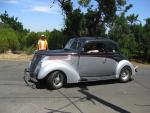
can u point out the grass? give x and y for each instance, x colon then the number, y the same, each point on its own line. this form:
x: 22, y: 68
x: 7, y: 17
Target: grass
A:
x: 15, y: 57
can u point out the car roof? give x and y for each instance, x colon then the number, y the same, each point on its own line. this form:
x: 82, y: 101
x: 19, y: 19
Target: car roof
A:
x: 95, y: 39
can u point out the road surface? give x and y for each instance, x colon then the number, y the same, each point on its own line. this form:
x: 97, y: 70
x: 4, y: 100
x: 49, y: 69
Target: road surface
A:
x: 93, y: 97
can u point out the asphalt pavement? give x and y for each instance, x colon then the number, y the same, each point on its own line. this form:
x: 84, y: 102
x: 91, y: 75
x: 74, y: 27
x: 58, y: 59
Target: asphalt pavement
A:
x: 93, y: 97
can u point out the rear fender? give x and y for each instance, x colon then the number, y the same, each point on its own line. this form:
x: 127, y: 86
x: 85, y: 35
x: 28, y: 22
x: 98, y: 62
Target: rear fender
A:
x: 122, y: 64
x: 49, y: 66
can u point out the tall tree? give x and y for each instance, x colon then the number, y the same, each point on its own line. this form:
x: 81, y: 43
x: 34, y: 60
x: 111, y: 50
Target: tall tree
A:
x: 146, y: 40
x: 12, y: 22
x: 103, y: 12
x: 122, y: 33
x: 73, y: 23
x: 132, y: 19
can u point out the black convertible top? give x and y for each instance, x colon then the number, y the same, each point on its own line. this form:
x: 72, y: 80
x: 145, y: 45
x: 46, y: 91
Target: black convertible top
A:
x: 94, y: 39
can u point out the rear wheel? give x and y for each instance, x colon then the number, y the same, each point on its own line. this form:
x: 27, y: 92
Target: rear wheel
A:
x: 125, y: 74
x: 55, y: 80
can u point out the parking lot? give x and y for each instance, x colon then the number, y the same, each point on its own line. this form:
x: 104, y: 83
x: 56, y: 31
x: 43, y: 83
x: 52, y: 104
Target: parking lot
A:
x: 93, y: 97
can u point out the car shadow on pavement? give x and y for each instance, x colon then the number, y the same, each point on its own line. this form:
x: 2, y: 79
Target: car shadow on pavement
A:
x: 42, y: 84
x: 92, y: 83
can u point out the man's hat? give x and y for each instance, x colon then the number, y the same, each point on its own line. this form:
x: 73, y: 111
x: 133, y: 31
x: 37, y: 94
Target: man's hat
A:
x: 42, y: 35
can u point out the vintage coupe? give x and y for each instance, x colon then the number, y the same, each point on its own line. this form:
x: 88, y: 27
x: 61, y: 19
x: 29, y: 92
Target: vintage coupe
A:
x: 83, y: 59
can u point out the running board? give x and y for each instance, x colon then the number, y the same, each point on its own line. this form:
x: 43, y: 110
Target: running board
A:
x: 85, y: 79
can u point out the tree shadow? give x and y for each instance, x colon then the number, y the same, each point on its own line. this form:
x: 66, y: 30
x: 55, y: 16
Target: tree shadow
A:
x: 56, y: 111
x: 88, y: 96
x: 91, y: 97
x: 71, y: 103
x: 59, y: 110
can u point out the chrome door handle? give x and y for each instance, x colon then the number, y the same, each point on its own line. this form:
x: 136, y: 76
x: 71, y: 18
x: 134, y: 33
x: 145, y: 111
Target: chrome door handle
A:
x: 104, y: 61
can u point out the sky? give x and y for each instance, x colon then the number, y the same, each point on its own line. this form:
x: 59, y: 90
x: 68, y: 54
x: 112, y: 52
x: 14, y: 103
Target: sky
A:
x: 37, y: 15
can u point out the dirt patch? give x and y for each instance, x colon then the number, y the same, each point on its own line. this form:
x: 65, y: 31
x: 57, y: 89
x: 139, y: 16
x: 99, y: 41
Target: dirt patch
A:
x: 140, y: 65
x: 15, y: 57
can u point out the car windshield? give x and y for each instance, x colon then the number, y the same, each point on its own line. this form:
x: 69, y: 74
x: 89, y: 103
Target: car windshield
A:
x: 73, y: 45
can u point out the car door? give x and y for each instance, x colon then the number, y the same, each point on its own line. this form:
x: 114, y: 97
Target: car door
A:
x: 93, y: 64
x: 112, y: 58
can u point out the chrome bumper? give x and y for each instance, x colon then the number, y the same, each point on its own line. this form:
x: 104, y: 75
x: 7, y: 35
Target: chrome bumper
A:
x: 28, y: 77
x: 136, y: 68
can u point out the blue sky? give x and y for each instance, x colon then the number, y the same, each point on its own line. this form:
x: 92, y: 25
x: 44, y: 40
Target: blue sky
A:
x: 37, y: 15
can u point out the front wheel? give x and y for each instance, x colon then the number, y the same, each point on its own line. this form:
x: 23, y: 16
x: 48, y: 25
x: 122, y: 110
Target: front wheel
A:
x: 55, y: 80
x: 125, y: 74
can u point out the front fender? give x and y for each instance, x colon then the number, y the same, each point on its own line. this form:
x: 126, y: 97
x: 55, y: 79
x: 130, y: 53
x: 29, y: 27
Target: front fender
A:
x: 48, y: 66
x: 123, y: 63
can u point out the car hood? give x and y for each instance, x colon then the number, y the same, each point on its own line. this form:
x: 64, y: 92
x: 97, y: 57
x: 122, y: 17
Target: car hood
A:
x: 56, y: 52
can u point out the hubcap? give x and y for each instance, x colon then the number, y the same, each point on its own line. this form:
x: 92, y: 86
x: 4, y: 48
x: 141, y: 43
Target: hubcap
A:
x: 125, y: 74
x: 57, y: 80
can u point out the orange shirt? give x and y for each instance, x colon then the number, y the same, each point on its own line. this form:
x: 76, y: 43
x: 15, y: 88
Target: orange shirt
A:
x: 42, y: 45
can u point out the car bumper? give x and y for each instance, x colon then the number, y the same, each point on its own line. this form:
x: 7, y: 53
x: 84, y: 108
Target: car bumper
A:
x: 136, y: 68
x: 30, y: 78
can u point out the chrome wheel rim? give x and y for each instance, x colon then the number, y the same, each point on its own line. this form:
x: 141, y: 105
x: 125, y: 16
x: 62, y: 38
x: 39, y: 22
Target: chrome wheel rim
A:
x: 125, y: 74
x: 57, y: 81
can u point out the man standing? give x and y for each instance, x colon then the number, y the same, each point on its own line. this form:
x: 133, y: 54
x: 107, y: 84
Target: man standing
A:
x: 42, y: 43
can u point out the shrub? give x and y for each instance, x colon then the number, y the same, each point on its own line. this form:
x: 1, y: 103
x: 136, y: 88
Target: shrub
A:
x: 56, y: 40
x: 8, y: 38
x: 31, y: 39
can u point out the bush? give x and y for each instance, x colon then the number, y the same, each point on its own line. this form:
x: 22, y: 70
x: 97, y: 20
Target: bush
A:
x: 56, y: 40
x: 31, y: 39
x: 128, y: 45
x: 4, y: 44
x: 29, y: 50
x: 8, y: 38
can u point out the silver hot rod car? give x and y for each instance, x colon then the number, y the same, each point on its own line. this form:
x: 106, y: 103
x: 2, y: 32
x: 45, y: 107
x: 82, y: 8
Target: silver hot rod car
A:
x: 82, y: 59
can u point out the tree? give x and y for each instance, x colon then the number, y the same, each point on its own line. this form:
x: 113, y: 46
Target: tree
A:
x: 56, y: 40
x: 8, y: 38
x: 12, y: 22
x: 15, y: 25
x: 137, y: 30
x: 122, y: 34
x: 92, y: 28
x: 146, y: 40
x: 84, y: 2
x: 132, y: 19
x: 73, y: 23
x: 65, y: 5
x: 106, y: 9
x: 94, y: 22
x: 31, y: 39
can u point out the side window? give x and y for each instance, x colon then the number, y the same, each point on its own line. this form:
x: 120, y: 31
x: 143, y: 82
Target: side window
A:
x: 101, y: 47
x: 112, y: 48
x: 95, y: 48
x: 76, y: 45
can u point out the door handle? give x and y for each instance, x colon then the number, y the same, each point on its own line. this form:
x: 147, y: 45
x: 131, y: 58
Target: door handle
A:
x: 104, y: 61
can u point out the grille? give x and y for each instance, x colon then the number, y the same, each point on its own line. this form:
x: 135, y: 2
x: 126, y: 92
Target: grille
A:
x: 34, y: 63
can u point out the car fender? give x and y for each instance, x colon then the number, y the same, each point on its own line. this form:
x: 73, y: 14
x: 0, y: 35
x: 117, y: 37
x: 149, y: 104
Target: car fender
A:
x: 49, y: 66
x: 123, y: 63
